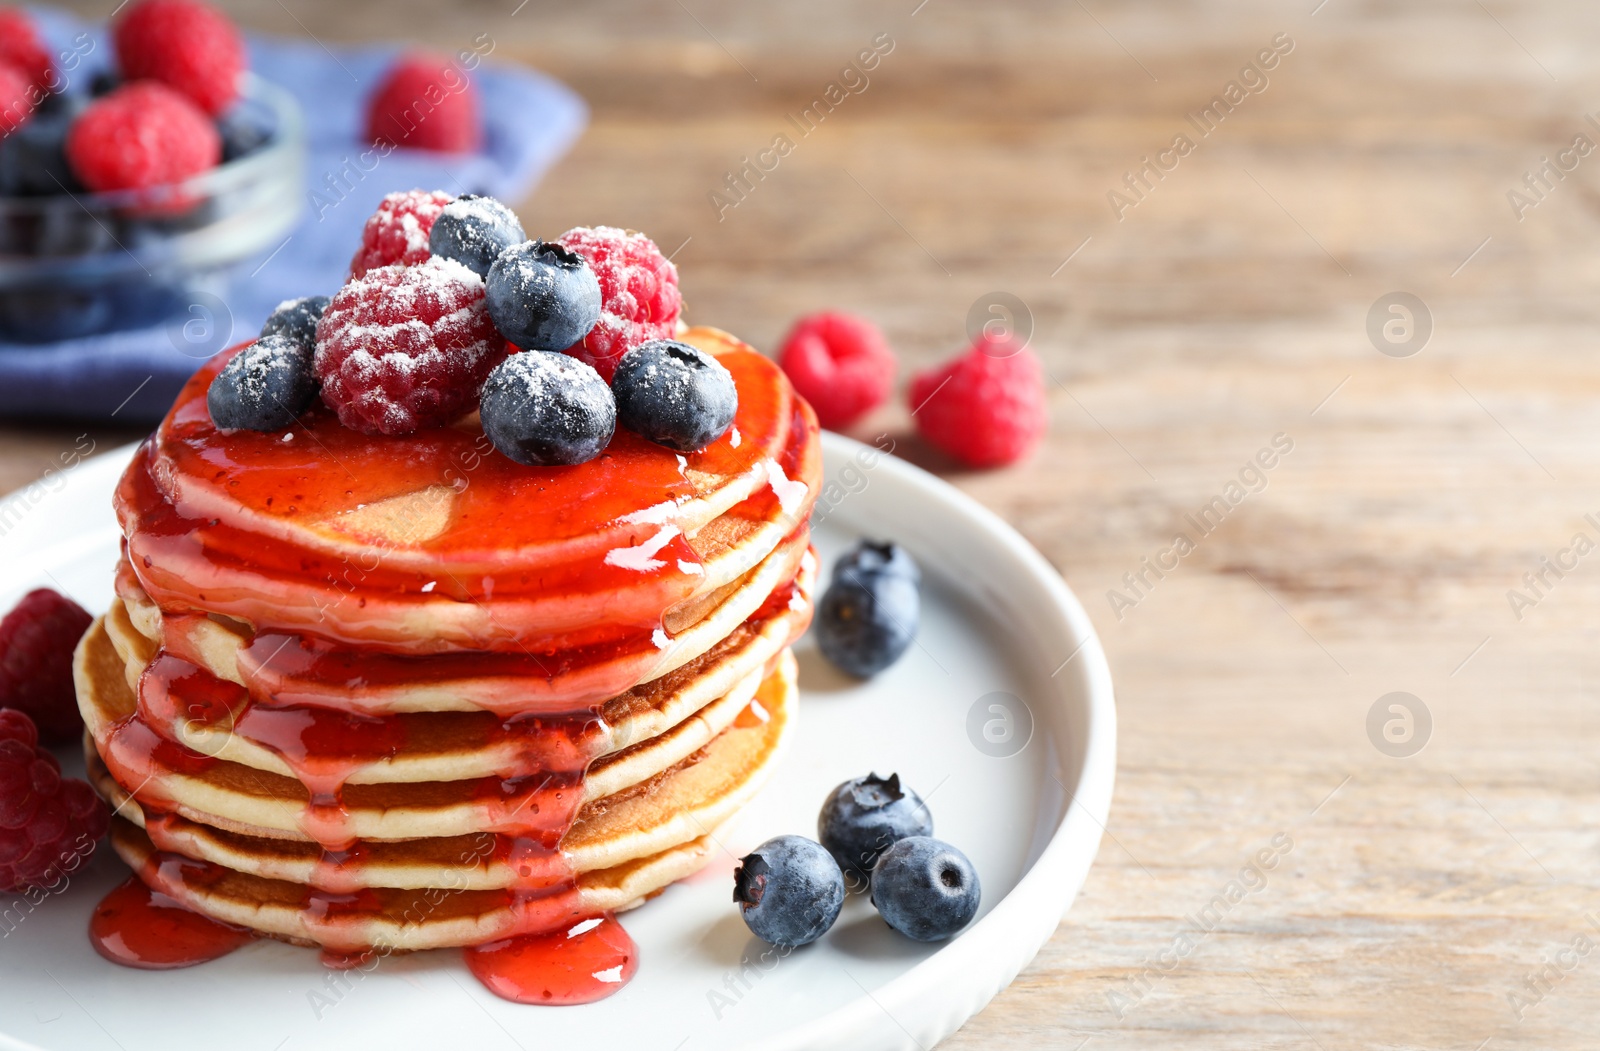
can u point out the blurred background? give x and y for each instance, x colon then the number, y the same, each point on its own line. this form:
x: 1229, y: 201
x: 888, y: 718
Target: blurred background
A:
x: 1191, y: 304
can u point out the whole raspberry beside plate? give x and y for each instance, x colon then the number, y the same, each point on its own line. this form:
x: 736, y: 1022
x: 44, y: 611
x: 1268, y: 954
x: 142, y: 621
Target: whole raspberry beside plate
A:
x: 639, y: 297
x: 48, y: 825
x: 841, y: 364
x: 189, y: 46
x: 986, y: 408
x: 141, y: 135
x: 398, y: 231
x: 406, y: 347
x: 427, y: 103
x: 36, y: 642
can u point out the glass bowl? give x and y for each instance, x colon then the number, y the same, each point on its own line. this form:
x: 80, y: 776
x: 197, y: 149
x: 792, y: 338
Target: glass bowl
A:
x: 79, y: 264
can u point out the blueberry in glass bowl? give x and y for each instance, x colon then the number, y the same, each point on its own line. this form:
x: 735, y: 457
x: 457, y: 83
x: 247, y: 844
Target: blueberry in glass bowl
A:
x: 74, y: 262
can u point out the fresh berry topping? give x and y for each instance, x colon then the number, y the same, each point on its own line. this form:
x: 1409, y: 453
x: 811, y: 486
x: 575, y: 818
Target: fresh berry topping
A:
x: 876, y: 556
x: 16, y: 98
x: 264, y: 386
x: 189, y: 46
x: 639, y: 298
x: 141, y: 135
x: 546, y: 409
x: 789, y: 890
x: 20, y: 46
x: 841, y: 364
x: 36, y: 642
x: 985, y: 408
x: 925, y: 889
x: 473, y: 231
x: 426, y: 103
x: 405, y: 347
x: 868, y: 617
x: 543, y: 296
x: 862, y: 818
x: 48, y: 826
x: 675, y: 395
x: 398, y: 231
x: 297, y: 319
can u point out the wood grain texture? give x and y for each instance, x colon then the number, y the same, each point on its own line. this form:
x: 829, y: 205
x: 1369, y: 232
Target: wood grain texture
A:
x: 1228, y: 306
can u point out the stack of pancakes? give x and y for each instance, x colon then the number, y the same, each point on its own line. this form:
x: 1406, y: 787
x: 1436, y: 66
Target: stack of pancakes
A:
x: 402, y: 693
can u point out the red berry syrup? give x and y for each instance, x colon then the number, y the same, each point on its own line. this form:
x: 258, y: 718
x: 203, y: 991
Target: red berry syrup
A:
x: 583, y: 963
x: 137, y: 927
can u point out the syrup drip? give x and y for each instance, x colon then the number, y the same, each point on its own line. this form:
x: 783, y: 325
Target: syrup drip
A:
x: 586, y: 962
x: 137, y: 927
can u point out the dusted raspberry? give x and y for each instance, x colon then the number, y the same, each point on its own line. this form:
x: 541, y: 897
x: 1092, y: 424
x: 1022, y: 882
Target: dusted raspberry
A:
x: 48, y: 826
x: 841, y: 364
x: 639, y: 298
x: 36, y: 642
x: 20, y: 46
x: 398, y: 231
x: 985, y: 408
x: 16, y: 98
x: 189, y: 46
x: 141, y: 135
x: 427, y: 103
x: 406, y: 347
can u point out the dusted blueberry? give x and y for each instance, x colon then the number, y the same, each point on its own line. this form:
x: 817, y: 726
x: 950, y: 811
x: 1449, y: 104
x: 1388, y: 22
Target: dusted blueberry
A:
x: 542, y: 295
x: 264, y: 387
x: 473, y: 231
x: 789, y: 890
x: 297, y: 319
x: 674, y: 394
x: 877, y: 556
x: 544, y: 409
x: 925, y: 889
x: 868, y: 619
x: 864, y: 817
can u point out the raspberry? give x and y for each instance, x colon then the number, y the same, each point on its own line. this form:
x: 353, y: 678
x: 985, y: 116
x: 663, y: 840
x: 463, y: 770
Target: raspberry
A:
x: 141, y: 135
x: 841, y: 364
x: 48, y: 825
x: 639, y: 298
x: 985, y: 408
x: 426, y: 103
x: 20, y: 46
x: 16, y: 98
x: 189, y: 46
x: 398, y: 231
x: 405, y: 347
x: 36, y: 642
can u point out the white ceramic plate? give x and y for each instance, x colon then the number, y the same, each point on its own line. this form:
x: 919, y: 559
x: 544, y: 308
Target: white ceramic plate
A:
x: 1001, y: 717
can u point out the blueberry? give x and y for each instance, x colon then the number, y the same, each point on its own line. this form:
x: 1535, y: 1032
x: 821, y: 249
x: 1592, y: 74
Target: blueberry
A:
x: 925, y: 888
x: 33, y: 160
x: 297, y: 319
x: 473, y: 231
x: 864, y: 817
x: 544, y: 409
x: 789, y: 890
x: 264, y: 387
x: 868, y: 616
x: 104, y: 82
x: 241, y: 135
x: 674, y: 394
x: 542, y: 295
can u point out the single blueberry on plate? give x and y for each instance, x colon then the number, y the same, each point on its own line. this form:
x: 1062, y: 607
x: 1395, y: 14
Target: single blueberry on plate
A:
x: 473, y: 231
x: 264, y: 386
x: 868, y: 617
x: 674, y: 394
x: 297, y: 319
x: 545, y: 409
x: 789, y: 890
x: 866, y: 816
x: 542, y: 295
x: 925, y: 889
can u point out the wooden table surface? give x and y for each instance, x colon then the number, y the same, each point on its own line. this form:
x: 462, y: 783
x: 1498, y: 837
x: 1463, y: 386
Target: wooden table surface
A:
x: 1227, y: 304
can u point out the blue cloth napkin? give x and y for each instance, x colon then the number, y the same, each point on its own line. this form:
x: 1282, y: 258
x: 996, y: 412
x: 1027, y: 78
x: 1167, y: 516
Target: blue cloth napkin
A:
x: 530, y: 119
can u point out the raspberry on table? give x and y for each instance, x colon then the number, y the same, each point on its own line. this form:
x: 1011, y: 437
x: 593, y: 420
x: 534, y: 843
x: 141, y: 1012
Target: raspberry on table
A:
x: 187, y: 45
x: 841, y: 364
x: 425, y: 102
x: 639, y: 297
x: 986, y: 408
x: 141, y: 135
x: 49, y: 825
x: 36, y: 642
x: 406, y: 347
x: 21, y: 46
x: 398, y: 231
